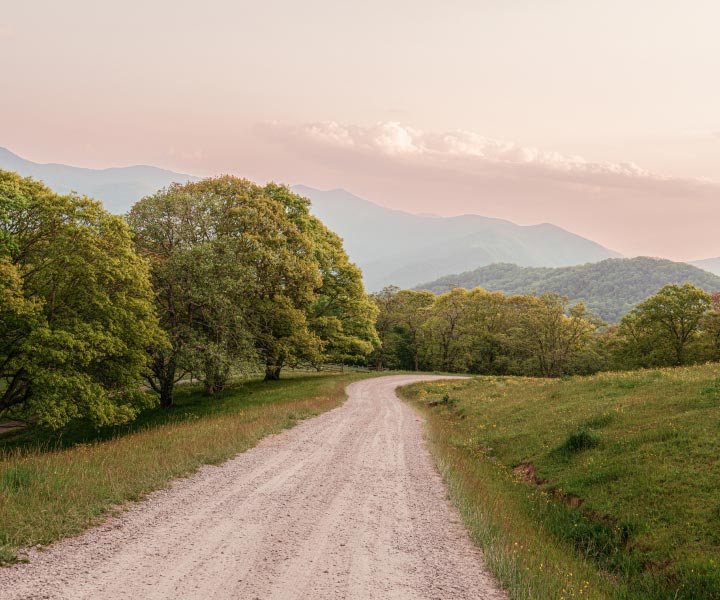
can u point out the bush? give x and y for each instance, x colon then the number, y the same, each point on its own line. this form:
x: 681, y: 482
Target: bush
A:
x: 579, y: 441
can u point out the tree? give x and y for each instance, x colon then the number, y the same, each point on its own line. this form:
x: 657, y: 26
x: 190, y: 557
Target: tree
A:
x: 244, y: 272
x: 484, y: 327
x: 232, y: 275
x: 444, y: 328
x: 711, y: 329
x: 402, y: 315
x: 547, y: 335
x: 342, y: 316
x: 338, y: 319
x: 76, y: 312
x: 386, y: 326
x: 414, y: 309
x: 664, y: 326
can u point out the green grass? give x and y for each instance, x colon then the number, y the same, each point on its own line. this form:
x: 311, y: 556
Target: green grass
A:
x: 606, y: 486
x: 53, y: 486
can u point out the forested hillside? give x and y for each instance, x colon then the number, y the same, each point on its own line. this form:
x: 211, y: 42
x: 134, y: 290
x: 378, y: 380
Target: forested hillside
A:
x: 712, y: 265
x: 476, y: 331
x: 610, y: 289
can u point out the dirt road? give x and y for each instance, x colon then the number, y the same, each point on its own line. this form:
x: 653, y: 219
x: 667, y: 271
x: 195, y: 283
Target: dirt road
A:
x: 345, y: 505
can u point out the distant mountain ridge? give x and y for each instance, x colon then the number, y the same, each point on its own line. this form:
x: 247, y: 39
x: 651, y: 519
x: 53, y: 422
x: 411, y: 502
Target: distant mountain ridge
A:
x: 610, y: 288
x: 391, y: 246
x: 398, y: 248
x: 708, y: 264
x: 118, y: 187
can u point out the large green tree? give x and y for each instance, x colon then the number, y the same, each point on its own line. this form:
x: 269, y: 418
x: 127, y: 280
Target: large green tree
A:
x: 243, y: 271
x: 342, y: 315
x: 414, y: 309
x: 444, y: 329
x: 232, y: 274
x: 549, y: 334
x: 484, y: 329
x: 663, y: 329
x: 76, y: 312
x: 386, y: 354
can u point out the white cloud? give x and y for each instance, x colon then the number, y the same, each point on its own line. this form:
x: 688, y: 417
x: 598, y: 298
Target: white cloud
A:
x: 464, y: 151
x: 619, y: 204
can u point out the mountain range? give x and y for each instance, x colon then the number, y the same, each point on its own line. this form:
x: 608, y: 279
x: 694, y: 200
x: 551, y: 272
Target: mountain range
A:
x: 391, y: 246
x: 609, y: 288
x: 398, y: 248
x: 118, y: 188
x: 708, y: 264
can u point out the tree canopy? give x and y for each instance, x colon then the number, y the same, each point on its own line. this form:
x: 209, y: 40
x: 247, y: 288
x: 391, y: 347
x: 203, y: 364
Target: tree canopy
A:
x: 245, y: 272
x: 482, y: 332
x: 76, y: 311
x: 225, y: 276
x: 609, y: 289
x: 666, y: 328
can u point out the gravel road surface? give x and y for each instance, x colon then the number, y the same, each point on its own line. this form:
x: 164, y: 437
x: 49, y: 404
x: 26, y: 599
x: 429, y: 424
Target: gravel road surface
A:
x: 345, y: 505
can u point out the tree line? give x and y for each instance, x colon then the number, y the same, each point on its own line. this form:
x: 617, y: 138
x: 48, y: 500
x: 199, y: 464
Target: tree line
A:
x: 200, y: 278
x: 610, y: 288
x: 476, y: 331
x: 224, y: 276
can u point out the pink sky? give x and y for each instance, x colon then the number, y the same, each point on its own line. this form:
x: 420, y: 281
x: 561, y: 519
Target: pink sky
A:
x: 599, y: 117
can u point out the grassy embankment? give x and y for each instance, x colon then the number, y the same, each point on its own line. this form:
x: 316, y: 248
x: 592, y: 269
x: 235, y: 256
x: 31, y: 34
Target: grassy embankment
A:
x: 55, y: 486
x: 599, y: 487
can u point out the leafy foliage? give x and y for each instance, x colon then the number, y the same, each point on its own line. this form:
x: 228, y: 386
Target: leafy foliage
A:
x: 665, y: 329
x: 76, y: 313
x: 245, y: 273
x: 610, y: 289
x: 482, y: 332
x: 475, y: 331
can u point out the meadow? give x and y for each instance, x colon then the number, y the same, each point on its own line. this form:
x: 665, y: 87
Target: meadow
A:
x: 56, y: 484
x: 594, y: 487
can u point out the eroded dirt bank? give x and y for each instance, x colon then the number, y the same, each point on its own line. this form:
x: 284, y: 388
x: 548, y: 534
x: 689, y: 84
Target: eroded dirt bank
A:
x: 345, y: 505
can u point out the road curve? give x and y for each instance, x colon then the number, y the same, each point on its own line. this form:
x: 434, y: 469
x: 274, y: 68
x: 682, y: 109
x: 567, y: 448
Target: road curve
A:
x: 345, y: 505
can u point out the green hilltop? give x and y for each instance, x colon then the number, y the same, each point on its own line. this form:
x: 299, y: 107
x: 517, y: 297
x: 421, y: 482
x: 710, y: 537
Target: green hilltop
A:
x: 610, y: 288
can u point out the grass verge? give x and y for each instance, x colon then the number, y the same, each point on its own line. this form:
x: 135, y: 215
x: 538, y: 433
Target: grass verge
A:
x: 597, y: 487
x: 53, y: 486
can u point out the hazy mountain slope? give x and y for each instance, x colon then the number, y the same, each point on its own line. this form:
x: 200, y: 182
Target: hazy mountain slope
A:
x: 708, y: 264
x: 610, y: 288
x: 391, y: 246
x: 398, y: 248
x: 118, y: 188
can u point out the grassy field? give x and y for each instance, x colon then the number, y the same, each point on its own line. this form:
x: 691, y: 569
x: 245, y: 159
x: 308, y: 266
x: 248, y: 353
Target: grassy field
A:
x: 599, y: 487
x: 54, y: 486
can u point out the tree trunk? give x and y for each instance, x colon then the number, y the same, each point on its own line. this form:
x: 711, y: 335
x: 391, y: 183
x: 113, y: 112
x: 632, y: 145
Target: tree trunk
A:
x: 164, y: 372
x: 272, y: 372
x: 167, y: 385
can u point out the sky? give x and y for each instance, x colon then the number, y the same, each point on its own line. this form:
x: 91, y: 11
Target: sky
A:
x: 602, y: 117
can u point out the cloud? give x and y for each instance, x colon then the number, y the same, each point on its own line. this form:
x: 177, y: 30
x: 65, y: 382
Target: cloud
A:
x: 465, y: 152
x: 619, y: 204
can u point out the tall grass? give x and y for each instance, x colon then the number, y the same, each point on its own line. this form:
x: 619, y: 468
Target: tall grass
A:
x: 55, y: 486
x: 605, y: 486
